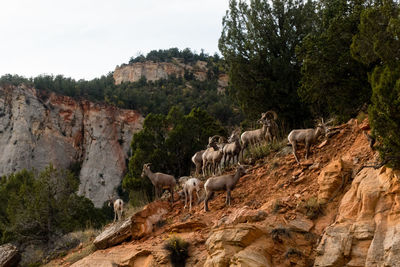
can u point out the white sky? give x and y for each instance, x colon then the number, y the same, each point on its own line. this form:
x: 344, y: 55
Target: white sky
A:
x: 88, y: 38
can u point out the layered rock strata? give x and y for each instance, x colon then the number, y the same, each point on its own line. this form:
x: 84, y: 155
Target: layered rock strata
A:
x: 38, y: 131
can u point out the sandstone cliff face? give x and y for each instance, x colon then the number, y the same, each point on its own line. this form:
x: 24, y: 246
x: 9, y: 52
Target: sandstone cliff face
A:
x: 151, y: 70
x: 366, y: 231
x: 61, y: 131
x: 154, y: 71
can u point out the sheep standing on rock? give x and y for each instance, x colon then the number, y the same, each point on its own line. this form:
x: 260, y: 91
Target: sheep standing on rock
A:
x: 118, y: 205
x: 306, y: 136
x: 255, y: 136
x: 188, y: 187
x: 232, y: 149
x: 198, y: 161
x: 212, y: 156
x: 160, y: 181
x: 222, y: 183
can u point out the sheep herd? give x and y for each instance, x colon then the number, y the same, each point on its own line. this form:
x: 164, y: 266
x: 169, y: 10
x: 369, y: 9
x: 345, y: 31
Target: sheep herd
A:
x: 222, y: 152
x: 219, y: 152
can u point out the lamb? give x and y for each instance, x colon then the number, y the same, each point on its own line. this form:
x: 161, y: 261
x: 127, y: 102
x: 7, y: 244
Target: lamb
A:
x: 160, y: 180
x: 198, y: 161
x: 118, y: 205
x: 232, y: 149
x: 255, y: 136
x: 307, y: 136
x: 188, y: 187
x: 222, y: 183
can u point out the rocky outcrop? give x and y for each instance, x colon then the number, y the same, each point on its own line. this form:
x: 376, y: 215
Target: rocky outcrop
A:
x: 154, y: 71
x: 9, y: 255
x: 226, y: 247
x: 114, y: 234
x: 332, y: 179
x: 36, y: 131
x: 366, y: 231
x: 143, y: 221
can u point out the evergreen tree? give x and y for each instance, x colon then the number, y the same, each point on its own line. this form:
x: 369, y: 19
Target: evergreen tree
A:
x: 377, y: 45
x: 258, y: 42
x: 332, y: 82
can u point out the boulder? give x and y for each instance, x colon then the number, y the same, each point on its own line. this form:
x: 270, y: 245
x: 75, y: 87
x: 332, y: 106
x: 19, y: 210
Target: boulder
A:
x: 114, y: 234
x: 225, y: 242
x: 9, y: 255
x: 301, y: 224
x: 332, y: 178
x: 143, y: 221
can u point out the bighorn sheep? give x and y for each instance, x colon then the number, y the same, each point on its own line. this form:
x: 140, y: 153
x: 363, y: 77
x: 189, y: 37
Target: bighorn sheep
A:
x: 188, y: 187
x: 198, y: 161
x: 160, y: 180
x: 222, y: 183
x: 269, y: 118
x: 213, y: 155
x: 255, y: 136
x: 232, y: 149
x: 118, y: 205
x: 306, y: 136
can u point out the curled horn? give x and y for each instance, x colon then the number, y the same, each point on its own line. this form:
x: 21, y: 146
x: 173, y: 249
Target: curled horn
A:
x: 271, y: 113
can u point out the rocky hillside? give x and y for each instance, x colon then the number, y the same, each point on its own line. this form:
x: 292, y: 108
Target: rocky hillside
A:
x: 274, y: 219
x: 154, y: 71
x: 38, y: 130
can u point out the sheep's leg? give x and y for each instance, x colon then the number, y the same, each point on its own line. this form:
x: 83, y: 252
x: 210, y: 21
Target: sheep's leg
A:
x: 228, y: 198
x: 198, y: 197
x: 198, y: 168
x: 172, y: 194
x: 206, y: 201
x: 115, y: 215
x: 307, y: 149
x: 184, y: 191
x: 190, y: 201
x: 156, y: 192
x: 294, y: 152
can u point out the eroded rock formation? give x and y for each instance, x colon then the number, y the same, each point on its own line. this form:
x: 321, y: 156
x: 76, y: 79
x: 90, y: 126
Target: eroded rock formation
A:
x: 366, y: 231
x: 37, y: 131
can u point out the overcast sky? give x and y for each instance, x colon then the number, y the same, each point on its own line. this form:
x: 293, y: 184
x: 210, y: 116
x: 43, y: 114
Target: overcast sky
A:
x: 85, y: 39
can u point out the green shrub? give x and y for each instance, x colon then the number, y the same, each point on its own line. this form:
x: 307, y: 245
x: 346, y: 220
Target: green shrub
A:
x: 278, y: 233
x: 313, y: 209
x: 178, y: 249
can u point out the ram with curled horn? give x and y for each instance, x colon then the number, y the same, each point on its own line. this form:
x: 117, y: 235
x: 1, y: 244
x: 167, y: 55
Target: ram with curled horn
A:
x: 307, y: 137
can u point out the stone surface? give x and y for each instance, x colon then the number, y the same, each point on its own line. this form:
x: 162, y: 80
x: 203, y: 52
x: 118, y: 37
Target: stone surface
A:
x: 367, y: 229
x: 126, y: 255
x: 36, y: 131
x: 9, y: 255
x: 243, y: 215
x: 301, y: 224
x: 225, y: 242
x: 114, y: 234
x: 143, y: 221
x: 332, y: 178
